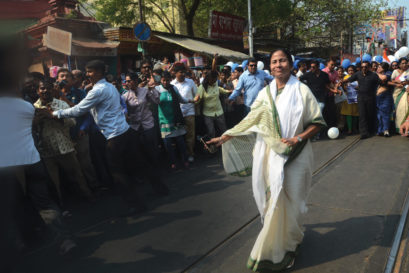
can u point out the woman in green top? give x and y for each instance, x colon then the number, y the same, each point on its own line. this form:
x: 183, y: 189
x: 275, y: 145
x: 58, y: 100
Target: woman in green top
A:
x: 208, y: 94
x: 171, y: 119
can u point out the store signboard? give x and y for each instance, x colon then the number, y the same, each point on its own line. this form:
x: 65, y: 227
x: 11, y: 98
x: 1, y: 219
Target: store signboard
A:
x: 226, y: 26
x: 58, y: 40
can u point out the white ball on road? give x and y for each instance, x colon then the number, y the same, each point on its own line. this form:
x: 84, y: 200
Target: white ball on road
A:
x: 333, y: 133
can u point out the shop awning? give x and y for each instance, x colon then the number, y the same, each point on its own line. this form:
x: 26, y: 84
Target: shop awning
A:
x: 205, y: 48
x: 88, y: 43
x: 90, y: 47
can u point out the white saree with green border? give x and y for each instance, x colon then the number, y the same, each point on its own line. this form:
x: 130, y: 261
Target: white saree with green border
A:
x: 281, y: 176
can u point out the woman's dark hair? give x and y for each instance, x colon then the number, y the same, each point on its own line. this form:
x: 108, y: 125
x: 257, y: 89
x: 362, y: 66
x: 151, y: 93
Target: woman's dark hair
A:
x: 96, y: 65
x: 353, y: 67
x: 286, y: 53
x: 385, y: 66
x: 133, y: 76
x: 239, y: 69
x: 401, y: 60
x: 14, y: 61
x: 211, y: 75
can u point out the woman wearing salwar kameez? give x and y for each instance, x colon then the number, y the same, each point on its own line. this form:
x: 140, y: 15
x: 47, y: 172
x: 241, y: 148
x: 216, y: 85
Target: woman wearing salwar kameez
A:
x: 384, y: 100
x: 272, y: 143
x: 400, y: 78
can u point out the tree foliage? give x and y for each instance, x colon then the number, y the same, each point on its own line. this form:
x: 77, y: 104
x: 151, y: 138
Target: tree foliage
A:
x: 314, y: 21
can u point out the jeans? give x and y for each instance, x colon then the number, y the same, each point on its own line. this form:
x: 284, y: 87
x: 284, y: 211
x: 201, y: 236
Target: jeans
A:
x: 384, y: 105
x: 181, y: 146
x: 211, y: 122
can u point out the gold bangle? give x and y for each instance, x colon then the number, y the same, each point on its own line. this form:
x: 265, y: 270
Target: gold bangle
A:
x: 220, y: 140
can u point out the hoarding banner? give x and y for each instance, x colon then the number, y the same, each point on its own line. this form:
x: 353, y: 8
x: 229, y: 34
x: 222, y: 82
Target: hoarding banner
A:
x: 226, y: 26
x: 400, y: 15
x: 58, y: 40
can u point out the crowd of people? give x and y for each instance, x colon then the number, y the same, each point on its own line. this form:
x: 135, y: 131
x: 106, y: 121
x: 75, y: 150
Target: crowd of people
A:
x: 106, y: 132
x: 368, y: 98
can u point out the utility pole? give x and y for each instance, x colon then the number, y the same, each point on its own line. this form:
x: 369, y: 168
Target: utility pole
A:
x: 141, y: 20
x: 250, y: 29
x: 350, y: 37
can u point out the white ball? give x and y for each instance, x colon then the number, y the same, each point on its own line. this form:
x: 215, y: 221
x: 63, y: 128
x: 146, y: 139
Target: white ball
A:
x: 403, y: 51
x: 333, y: 133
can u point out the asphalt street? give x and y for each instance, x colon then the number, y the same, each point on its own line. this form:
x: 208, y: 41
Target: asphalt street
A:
x: 354, y: 208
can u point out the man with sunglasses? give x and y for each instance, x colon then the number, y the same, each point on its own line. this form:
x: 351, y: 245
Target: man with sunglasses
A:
x: 318, y: 82
x: 367, y: 85
x: 252, y: 81
x: 146, y: 72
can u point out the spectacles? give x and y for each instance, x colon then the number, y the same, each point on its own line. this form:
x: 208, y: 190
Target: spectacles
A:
x: 42, y: 88
x: 252, y: 65
x: 364, y: 66
x: 146, y: 67
x: 128, y: 81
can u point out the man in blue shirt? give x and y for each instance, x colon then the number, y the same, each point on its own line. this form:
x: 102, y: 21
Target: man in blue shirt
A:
x: 252, y: 81
x: 123, y: 153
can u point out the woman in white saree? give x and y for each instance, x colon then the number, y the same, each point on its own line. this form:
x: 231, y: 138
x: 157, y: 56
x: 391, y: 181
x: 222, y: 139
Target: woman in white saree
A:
x: 272, y: 143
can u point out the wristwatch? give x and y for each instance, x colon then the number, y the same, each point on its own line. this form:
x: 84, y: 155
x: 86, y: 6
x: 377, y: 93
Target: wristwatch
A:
x: 299, y: 139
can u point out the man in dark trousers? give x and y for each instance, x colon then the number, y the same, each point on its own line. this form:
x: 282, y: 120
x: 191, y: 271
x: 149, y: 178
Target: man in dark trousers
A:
x: 367, y: 84
x: 123, y: 154
x: 319, y: 83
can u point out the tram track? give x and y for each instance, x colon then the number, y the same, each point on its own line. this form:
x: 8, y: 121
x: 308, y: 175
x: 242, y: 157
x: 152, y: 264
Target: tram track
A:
x: 397, y: 252
x: 319, y: 170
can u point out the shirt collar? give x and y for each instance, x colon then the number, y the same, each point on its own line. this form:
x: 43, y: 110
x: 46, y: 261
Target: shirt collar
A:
x: 101, y: 81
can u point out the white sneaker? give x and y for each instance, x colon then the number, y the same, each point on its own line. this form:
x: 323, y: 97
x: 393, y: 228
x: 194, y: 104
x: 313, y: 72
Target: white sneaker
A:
x: 190, y: 159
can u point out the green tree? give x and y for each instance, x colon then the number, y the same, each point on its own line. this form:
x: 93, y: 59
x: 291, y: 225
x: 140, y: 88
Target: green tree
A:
x: 317, y: 22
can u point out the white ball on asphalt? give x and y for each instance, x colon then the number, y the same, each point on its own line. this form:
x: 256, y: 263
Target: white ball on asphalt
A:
x: 333, y: 133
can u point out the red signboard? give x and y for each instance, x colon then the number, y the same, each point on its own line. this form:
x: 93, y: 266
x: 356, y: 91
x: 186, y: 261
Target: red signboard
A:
x: 226, y: 26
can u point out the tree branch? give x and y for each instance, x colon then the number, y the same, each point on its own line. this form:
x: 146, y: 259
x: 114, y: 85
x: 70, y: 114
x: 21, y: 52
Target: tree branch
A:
x: 153, y: 2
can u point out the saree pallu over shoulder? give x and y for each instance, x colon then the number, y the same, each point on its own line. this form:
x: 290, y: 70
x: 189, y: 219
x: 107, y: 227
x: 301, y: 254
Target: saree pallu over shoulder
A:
x: 280, y: 188
x: 264, y: 120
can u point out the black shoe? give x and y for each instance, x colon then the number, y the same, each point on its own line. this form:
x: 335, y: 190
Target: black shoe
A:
x: 364, y: 136
x: 132, y: 211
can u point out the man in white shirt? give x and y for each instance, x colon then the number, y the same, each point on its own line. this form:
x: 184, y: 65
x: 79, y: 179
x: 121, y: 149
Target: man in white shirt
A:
x: 103, y: 101
x: 302, y: 68
x: 187, y: 89
x: 21, y: 171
